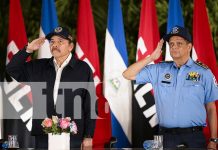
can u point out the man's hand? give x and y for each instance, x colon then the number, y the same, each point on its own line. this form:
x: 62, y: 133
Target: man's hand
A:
x: 87, y: 143
x: 211, y: 146
x: 131, y: 72
x: 35, y: 44
x: 157, y: 52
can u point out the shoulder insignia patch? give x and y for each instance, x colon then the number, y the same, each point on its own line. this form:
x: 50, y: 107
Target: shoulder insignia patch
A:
x: 215, y: 82
x: 201, y: 64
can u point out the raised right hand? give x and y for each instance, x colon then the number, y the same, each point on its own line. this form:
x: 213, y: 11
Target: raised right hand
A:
x: 157, y: 52
x: 35, y: 44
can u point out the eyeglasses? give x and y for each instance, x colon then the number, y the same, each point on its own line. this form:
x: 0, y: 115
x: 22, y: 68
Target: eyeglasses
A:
x: 177, y: 44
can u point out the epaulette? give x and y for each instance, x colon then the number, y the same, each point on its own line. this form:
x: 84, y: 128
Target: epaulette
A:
x: 165, y: 61
x: 201, y: 64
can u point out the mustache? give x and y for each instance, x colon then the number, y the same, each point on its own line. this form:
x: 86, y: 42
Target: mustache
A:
x: 55, y: 49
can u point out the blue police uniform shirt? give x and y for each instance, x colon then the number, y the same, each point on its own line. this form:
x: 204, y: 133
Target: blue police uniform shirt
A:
x: 180, y: 94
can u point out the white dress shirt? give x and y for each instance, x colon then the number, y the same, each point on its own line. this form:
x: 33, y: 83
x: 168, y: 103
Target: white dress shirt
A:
x: 59, y: 70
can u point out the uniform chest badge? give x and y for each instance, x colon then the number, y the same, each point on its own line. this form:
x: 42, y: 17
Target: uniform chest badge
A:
x: 167, y: 76
x: 193, y: 76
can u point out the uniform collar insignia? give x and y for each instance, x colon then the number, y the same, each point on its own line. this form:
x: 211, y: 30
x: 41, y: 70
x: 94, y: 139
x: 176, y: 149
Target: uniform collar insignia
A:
x: 193, y: 76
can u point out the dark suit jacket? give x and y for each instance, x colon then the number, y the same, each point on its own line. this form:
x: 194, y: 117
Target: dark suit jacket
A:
x: 42, y: 70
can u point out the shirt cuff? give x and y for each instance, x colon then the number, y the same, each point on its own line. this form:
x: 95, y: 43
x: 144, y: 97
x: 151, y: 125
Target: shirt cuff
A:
x: 25, y: 48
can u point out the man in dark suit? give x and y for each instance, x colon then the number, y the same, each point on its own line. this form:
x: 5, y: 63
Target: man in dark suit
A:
x: 63, y: 67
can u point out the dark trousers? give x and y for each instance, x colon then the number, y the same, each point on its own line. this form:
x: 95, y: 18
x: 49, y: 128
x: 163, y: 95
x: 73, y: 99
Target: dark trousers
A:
x: 41, y: 141
x: 192, y: 139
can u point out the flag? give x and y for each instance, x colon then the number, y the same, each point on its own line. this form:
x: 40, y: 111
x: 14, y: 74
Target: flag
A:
x: 18, y: 101
x: 203, y: 45
x: 87, y: 50
x: 117, y: 90
x: 174, y: 18
x: 49, y: 21
x: 144, y: 117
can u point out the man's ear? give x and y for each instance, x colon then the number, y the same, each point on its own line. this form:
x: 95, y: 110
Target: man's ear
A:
x: 190, y: 46
x: 71, y: 46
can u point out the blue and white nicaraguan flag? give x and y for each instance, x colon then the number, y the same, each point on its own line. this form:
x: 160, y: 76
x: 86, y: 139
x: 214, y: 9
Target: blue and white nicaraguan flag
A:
x: 117, y: 90
x: 49, y: 21
x: 175, y: 17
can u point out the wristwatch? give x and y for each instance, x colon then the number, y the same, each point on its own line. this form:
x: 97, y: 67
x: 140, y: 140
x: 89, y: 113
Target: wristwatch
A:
x: 215, y: 140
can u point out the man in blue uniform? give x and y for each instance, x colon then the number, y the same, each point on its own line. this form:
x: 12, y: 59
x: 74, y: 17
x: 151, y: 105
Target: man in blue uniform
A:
x: 185, y: 92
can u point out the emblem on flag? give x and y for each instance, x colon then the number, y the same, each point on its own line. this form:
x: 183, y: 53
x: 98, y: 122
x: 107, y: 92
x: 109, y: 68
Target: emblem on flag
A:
x: 115, y: 83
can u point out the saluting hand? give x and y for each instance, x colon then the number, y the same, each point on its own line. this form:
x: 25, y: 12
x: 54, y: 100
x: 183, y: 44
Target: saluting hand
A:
x: 157, y: 52
x: 35, y: 44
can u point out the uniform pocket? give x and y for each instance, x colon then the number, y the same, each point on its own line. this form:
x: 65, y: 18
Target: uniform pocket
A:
x: 192, y: 83
x: 194, y: 88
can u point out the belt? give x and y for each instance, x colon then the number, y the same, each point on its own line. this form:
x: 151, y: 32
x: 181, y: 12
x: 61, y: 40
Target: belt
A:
x: 180, y: 130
